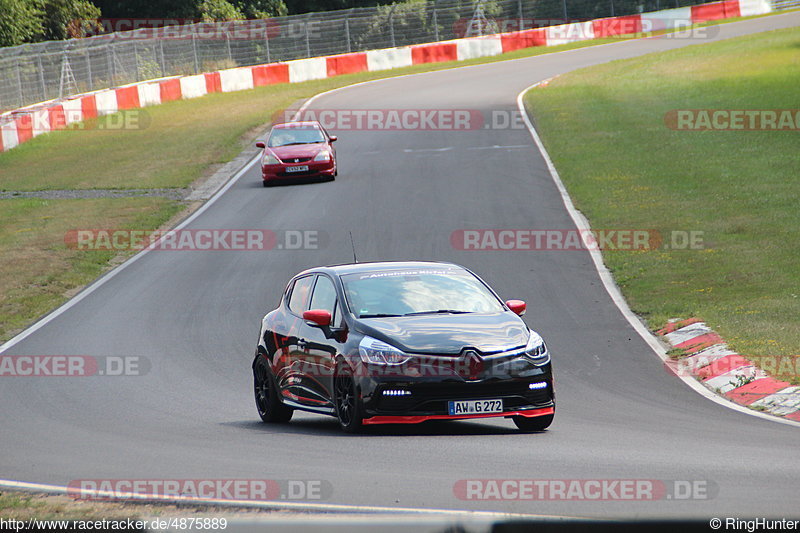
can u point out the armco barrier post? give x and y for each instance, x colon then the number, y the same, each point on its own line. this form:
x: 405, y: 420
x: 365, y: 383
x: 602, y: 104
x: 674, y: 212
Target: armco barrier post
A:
x: 89, y: 70
x: 109, y: 64
x: 347, y: 31
x: 391, y: 24
x: 19, y: 80
x: 435, y: 23
x: 308, y: 40
x: 41, y: 77
x: 194, y: 52
x: 163, y: 63
x: 136, y: 60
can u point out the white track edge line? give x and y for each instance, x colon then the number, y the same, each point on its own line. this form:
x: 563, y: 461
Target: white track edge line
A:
x: 288, y: 506
x: 611, y: 287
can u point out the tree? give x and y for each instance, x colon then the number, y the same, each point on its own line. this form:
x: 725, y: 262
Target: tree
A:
x: 64, y: 19
x: 261, y: 9
x: 20, y: 22
x: 142, y: 9
x: 216, y: 10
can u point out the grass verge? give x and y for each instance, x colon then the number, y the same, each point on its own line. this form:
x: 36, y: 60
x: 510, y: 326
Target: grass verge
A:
x: 25, y: 506
x: 39, y: 271
x: 605, y: 129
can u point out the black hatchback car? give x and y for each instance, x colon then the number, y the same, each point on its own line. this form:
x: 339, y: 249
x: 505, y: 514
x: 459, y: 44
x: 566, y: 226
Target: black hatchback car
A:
x: 400, y: 342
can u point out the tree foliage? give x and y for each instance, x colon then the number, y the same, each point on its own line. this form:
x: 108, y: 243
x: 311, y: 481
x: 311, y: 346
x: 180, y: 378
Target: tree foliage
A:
x: 64, y: 19
x: 20, y: 21
x: 217, y: 10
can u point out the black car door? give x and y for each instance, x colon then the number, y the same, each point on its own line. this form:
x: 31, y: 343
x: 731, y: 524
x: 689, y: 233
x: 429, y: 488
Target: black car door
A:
x: 289, y: 360
x: 320, y: 350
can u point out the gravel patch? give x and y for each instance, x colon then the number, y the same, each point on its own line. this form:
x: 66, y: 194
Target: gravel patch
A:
x: 172, y: 194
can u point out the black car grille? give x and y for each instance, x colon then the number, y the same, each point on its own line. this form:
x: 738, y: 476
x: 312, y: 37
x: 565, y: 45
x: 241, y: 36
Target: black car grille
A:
x: 295, y: 160
x: 434, y: 396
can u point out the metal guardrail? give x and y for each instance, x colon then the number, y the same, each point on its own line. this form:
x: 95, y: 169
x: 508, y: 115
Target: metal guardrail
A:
x: 39, y: 72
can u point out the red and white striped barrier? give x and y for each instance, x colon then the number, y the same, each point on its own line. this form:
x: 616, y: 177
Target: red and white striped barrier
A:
x: 21, y: 125
x: 753, y: 381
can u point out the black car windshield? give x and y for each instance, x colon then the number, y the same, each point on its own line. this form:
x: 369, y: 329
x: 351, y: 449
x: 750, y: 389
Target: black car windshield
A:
x: 287, y: 136
x: 417, y: 292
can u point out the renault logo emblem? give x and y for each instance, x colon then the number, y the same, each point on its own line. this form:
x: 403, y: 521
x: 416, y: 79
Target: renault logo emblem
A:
x: 472, y: 365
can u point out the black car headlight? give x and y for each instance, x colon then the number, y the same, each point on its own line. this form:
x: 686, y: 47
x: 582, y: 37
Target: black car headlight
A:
x: 536, y: 350
x: 373, y: 351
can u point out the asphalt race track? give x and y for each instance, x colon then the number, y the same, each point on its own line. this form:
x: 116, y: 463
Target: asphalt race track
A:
x: 194, y: 316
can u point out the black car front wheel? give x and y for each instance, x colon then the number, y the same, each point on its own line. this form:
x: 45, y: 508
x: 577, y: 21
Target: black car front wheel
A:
x: 349, y: 410
x: 539, y: 423
x: 270, y: 408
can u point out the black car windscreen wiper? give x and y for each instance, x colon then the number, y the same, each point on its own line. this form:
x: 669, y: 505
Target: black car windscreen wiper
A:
x: 377, y: 315
x: 438, y: 312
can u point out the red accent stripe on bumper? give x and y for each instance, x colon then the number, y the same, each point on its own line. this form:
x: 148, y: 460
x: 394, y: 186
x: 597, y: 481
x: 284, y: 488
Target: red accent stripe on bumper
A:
x: 422, y: 418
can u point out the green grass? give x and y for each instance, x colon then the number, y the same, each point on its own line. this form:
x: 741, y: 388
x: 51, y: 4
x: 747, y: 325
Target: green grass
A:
x: 39, y: 271
x: 624, y: 168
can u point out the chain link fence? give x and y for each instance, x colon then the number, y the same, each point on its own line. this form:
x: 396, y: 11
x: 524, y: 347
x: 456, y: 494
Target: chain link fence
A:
x: 38, y: 72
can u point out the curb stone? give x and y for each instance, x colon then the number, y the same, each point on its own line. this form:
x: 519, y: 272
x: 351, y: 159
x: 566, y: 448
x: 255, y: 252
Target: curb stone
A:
x: 708, y: 359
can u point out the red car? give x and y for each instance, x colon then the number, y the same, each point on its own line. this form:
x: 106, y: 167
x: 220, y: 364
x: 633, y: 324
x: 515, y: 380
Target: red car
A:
x: 298, y: 151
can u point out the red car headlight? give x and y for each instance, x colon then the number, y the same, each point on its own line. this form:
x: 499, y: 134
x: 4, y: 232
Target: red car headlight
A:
x: 323, y: 155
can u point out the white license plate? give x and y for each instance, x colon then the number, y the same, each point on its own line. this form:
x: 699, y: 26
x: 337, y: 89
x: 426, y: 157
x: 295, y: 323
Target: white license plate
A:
x: 475, y: 407
x: 300, y: 168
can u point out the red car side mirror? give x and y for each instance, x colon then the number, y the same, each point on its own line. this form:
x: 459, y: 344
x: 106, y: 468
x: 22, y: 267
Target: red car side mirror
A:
x: 333, y: 138
x: 319, y: 317
x: 517, y: 306
x: 260, y: 144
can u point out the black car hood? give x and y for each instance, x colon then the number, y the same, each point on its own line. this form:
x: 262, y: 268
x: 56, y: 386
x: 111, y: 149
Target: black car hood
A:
x: 449, y: 334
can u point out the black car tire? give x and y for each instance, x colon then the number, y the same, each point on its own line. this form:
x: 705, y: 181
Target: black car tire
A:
x: 270, y: 408
x: 349, y: 409
x: 539, y: 423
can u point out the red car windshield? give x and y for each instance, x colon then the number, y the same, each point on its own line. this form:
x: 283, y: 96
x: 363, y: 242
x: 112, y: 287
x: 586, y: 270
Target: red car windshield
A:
x: 288, y: 136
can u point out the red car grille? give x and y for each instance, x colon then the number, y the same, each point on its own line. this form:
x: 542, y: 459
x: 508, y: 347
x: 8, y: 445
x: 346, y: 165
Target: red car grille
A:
x: 295, y: 160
